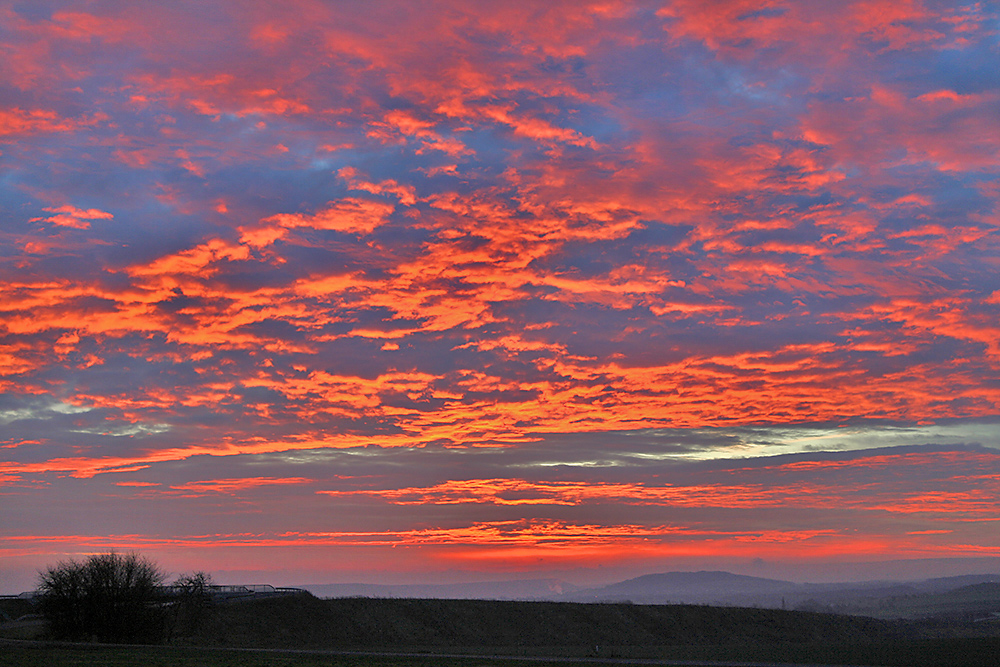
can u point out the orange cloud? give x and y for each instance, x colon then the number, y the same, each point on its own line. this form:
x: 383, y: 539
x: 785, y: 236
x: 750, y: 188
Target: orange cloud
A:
x: 349, y: 215
x: 508, y: 543
x: 737, y: 26
x: 405, y: 193
x: 70, y: 216
x: 15, y: 122
x: 84, y: 26
x: 804, y: 494
x: 234, y: 485
x: 932, y: 127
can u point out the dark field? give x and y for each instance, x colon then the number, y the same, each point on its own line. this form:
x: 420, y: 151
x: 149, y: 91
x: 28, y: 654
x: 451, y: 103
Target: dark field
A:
x: 580, y: 632
x: 156, y: 656
x: 965, y: 653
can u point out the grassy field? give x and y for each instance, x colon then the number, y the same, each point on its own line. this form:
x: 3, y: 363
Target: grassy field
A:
x: 976, y: 652
x: 304, y: 631
x: 360, y: 623
x: 158, y: 656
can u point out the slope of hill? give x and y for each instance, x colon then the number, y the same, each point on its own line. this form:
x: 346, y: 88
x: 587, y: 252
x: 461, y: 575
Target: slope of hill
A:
x: 307, y: 622
x: 978, y: 602
x: 682, y: 632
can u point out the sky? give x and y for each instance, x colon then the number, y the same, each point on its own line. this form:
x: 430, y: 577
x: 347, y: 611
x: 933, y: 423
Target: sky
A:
x: 400, y: 292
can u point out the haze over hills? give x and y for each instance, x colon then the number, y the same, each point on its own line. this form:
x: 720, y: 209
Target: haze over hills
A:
x: 522, y: 589
x: 686, y: 587
x: 979, y: 593
x: 727, y: 589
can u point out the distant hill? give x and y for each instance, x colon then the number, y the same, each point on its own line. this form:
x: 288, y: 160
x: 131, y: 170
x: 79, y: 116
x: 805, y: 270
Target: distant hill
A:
x: 690, y: 587
x: 883, y: 599
x: 942, y: 584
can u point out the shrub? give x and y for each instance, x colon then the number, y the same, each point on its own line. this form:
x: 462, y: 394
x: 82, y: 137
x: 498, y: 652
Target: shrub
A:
x: 108, y: 597
x: 192, y: 601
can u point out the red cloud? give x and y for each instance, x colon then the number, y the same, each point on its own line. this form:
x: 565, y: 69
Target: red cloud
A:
x: 70, y: 216
x: 809, y: 29
x: 16, y: 122
x: 350, y: 215
x: 233, y: 486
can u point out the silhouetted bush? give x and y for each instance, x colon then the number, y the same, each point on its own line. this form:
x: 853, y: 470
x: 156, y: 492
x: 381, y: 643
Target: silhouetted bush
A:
x: 108, y: 597
x: 192, y: 595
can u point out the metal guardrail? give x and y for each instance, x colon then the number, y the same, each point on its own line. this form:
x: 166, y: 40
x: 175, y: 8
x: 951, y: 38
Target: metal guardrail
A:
x: 230, y: 592
x: 215, y: 591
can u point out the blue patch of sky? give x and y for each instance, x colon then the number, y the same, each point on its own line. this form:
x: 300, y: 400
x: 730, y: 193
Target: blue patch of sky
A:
x: 17, y: 208
x: 276, y: 189
x: 967, y: 70
x: 766, y: 12
x: 36, y: 10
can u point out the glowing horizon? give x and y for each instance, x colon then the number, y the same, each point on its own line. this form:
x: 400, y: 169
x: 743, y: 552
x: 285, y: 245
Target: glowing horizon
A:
x: 511, y: 288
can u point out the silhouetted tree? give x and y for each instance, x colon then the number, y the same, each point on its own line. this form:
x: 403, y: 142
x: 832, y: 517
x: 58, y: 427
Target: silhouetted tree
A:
x: 193, y: 593
x: 108, y: 597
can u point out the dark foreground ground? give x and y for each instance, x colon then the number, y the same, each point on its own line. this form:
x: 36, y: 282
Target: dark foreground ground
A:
x: 584, y: 633
x: 158, y: 656
x: 932, y: 653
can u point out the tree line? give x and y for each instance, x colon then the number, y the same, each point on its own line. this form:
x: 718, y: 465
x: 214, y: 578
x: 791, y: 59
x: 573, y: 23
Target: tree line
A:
x: 120, y: 598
